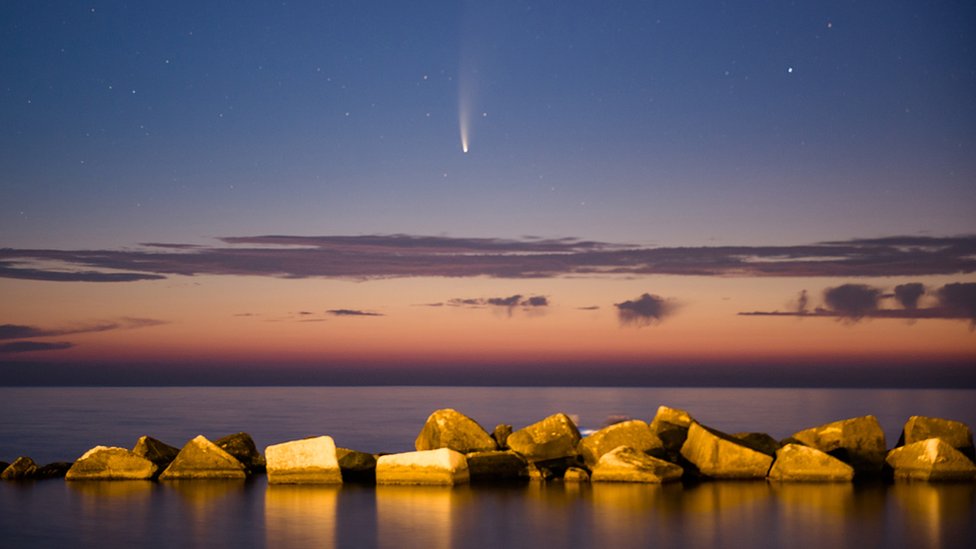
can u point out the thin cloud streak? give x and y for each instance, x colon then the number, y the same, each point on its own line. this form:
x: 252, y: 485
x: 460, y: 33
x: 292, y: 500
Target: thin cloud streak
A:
x: 19, y: 331
x: 387, y: 256
x: 33, y: 346
x: 352, y: 312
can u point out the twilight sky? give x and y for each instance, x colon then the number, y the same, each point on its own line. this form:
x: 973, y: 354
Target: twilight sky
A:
x: 694, y: 192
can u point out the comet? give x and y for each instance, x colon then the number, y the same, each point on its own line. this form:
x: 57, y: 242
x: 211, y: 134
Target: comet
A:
x: 464, y: 111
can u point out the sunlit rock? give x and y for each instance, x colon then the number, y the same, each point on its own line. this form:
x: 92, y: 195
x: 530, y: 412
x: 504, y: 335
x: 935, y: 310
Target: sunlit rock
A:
x: 932, y: 459
x: 624, y: 464
x: 955, y: 433
x: 356, y: 466
x: 719, y: 455
x: 23, y: 468
x: 576, y: 474
x: 632, y: 433
x: 670, y: 425
x: 760, y: 442
x: 306, y: 461
x: 495, y: 466
x: 449, y: 428
x: 202, y: 459
x: 538, y: 473
x: 858, y: 441
x: 242, y: 447
x: 500, y: 434
x: 156, y: 451
x: 796, y: 462
x: 442, y: 466
x: 109, y: 463
x: 553, y: 438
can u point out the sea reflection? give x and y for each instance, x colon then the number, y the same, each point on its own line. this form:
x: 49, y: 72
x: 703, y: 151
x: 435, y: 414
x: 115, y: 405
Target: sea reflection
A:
x: 820, y: 510
x: 300, y: 516
x: 117, y: 504
x: 424, y: 515
x: 207, y: 507
x: 935, y: 514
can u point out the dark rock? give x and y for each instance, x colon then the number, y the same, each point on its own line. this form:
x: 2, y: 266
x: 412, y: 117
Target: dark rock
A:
x: 796, y: 462
x: 23, y: 468
x: 859, y: 442
x: 356, y: 466
x: 156, y: 451
x: 671, y: 426
x: 3, y: 465
x: 105, y: 463
x: 554, y: 438
x: 576, y: 474
x: 496, y: 466
x: 632, y: 433
x: 955, y: 433
x: 624, y: 464
x: 57, y: 469
x: 933, y: 459
x: 719, y: 455
x: 501, y: 433
x: 202, y: 459
x: 760, y: 442
x: 449, y: 428
x: 242, y: 447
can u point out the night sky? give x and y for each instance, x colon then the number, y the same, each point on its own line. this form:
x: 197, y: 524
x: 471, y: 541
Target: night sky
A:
x: 653, y: 192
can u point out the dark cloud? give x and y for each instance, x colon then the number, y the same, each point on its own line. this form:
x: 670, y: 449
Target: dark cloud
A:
x: 32, y: 346
x: 645, y: 310
x: 510, y: 302
x: 908, y: 295
x: 852, y: 301
x: 352, y: 312
x: 18, y: 331
x: 589, y: 308
x: 802, y: 301
x: 379, y: 256
x: 959, y: 298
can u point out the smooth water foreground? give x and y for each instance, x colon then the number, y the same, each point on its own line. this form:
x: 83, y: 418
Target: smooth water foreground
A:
x: 52, y: 424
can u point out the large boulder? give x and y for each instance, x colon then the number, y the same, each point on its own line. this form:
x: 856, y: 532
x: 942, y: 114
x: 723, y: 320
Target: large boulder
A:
x: 500, y: 434
x: 760, y: 442
x: 156, y: 451
x: 57, y: 469
x: 576, y: 474
x: 719, y: 455
x: 356, y: 466
x: 306, y: 461
x: 554, y: 438
x: 23, y: 468
x: 109, y: 463
x: 932, y: 459
x: 202, y: 459
x: 242, y: 447
x: 449, y: 428
x: 633, y: 433
x: 796, y: 462
x: 671, y: 425
x: 858, y: 441
x: 624, y: 464
x: 495, y: 466
x: 441, y: 467
x: 955, y: 433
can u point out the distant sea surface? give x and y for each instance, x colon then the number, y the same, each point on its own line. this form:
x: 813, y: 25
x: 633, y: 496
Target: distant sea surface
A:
x: 59, y: 424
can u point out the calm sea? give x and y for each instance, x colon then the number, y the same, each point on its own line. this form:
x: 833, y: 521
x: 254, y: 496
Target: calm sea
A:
x: 59, y: 424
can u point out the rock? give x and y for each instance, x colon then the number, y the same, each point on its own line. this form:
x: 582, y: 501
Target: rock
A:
x: 955, y: 433
x: 3, y: 466
x: 932, y: 459
x: 760, y: 442
x: 55, y: 469
x: 633, y: 433
x: 537, y: 473
x: 23, y: 468
x: 553, y: 438
x: 671, y: 426
x: 449, y: 428
x: 859, y: 442
x: 356, y: 466
x: 242, y: 447
x: 306, y: 461
x: 442, y: 466
x: 796, y: 462
x: 575, y: 474
x: 156, y: 451
x: 495, y: 466
x: 202, y: 459
x: 624, y: 464
x: 719, y: 455
x: 108, y: 463
x: 500, y: 434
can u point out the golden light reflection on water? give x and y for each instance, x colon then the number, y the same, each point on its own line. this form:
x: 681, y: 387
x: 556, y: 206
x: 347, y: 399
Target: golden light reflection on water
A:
x: 425, y: 515
x: 810, y: 509
x: 132, y: 491
x: 935, y: 513
x: 300, y: 516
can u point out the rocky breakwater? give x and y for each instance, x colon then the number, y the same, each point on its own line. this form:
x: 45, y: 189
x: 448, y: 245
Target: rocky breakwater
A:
x: 452, y: 449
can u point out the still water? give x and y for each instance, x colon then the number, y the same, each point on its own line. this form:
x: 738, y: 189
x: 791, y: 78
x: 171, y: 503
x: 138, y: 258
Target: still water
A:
x: 52, y: 424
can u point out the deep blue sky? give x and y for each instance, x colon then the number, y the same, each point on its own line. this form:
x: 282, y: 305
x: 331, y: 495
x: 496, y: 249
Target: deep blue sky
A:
x: 645, y: 122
